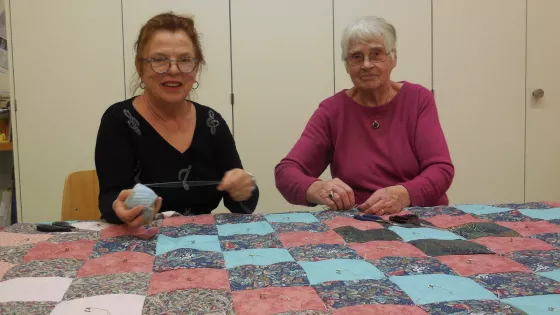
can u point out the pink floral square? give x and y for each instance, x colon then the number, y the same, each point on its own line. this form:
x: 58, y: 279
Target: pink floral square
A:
x: 120, y: 262
x: 375, y: 250
x: 345, y: 221
x: 276, y: 300
x: 293, y: 239
x: 4, y: 267
x: 80, y: 250
x: 531, y: 228
x: 380, y: 309
x: 183, y: 279
x: 120, y: 230
x: 502, y: 245
x: 468, y: 265
x: 197, y: 219
x: 18, y: 239
x: 446, y: 221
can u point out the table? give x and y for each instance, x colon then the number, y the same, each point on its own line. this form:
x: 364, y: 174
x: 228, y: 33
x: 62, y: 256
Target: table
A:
x: 501, y: 259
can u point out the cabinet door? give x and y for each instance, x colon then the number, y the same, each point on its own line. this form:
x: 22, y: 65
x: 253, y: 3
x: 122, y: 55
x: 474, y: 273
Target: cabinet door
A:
x: 282, y: 69
x: 479, y: 82
x: 543, y: 112
x: 412, y: 20
x: 68, y: 68
x: 212, y: 22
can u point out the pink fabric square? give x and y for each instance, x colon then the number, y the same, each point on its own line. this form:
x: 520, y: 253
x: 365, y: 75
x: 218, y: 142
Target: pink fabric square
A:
x: 532, y: 228
x: 502, y: 245
x: 345, y: 221
x: 198, y: 219
x: 552, y: 204
x: 120, y: 230
x: 120, y: 262
x: 446, y: 221
x: 380, y: 309
x: 468, y: 265
x: 4, y: 267
x: 378, y: 249
x: 18, y: 239
x: 183, y: 279
x: 80, y: 250
x: 293, y: 239
x: 276, y: 300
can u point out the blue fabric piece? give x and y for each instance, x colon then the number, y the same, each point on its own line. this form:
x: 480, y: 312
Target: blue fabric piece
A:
x: 201, y: 242
x: 554, y: 275
x: 536, y: 304
x: 291, y: 217
x: 260, y: 228
x: 412, y: 234
x: 481, y: 209
x: 340, y: 270
x: 544, y: 214
x: 427, y: 289
x: 261, y: 256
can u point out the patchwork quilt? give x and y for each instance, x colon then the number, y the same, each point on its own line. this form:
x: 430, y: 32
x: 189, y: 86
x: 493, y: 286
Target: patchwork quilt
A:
x: 465, y: 259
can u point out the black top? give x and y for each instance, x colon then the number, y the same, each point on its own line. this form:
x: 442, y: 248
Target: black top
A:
x: 129, y: 151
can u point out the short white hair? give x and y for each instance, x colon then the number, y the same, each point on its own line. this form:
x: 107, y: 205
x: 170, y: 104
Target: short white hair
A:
x: 366, y: 29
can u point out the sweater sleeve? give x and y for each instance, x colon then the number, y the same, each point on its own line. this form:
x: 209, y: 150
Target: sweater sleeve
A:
x: 436, y: 168
x: 114, y: 162
x: 230, y: 160
x: 307, y: 160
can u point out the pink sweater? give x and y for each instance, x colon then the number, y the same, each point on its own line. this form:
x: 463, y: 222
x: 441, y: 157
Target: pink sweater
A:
x: 407, y: 149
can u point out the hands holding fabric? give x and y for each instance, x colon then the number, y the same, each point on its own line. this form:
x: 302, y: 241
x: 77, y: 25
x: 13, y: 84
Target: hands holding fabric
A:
x: 337, y: 195
x: 131, y: 217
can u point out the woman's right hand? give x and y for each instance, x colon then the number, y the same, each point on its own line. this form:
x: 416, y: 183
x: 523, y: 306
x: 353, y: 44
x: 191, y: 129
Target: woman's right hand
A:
x: 132, y: 217
x: 333, y: 193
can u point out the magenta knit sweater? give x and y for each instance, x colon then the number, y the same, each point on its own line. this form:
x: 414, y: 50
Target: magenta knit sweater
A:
x: 408, y: 148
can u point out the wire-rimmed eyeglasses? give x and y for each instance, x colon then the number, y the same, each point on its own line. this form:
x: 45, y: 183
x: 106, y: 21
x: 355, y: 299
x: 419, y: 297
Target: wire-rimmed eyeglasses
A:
x: 357, y: 59
x: 162, y: 65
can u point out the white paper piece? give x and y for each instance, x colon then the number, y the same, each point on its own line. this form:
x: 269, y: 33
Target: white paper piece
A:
x: 122, y: 304
x: 44, y: 289
x: 168, y: 214
x: 92, y: 225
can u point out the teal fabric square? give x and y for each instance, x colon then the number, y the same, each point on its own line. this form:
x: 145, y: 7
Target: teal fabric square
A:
x: 554, y: 275
x: 340, y: 270
x: 260, y: 228
x: 261, y: 257
x: 412, y: 234
x: 427, y: 289
x: 543, y: 214
x: 481, y: 209
x: 291, y: 217
x: 536, y: 304
x: 200, y: 242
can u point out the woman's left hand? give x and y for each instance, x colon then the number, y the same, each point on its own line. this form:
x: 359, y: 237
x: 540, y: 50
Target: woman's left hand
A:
x: 238, y: 183
x: 389, y: 200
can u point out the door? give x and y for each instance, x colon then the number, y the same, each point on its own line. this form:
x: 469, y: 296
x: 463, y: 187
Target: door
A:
x: 282, y: 69
x: 414, y: 36
x: 479, y: 83
x: 68, y: 69
x: 543, y: 109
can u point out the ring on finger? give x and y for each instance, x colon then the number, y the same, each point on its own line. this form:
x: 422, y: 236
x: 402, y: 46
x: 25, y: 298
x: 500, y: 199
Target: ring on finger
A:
x: 331, y: 195
x: 382, y: 211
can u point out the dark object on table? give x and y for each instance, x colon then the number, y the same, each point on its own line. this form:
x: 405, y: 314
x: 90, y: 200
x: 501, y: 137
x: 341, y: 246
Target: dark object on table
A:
x: 56, y: 227
x: 370, y: 217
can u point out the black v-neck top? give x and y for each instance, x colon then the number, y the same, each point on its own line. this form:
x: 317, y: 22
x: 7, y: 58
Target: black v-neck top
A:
x: 129, y: 151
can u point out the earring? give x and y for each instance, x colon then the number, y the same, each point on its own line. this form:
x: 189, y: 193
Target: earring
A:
x: 194, y: 88
x: 142, y: 85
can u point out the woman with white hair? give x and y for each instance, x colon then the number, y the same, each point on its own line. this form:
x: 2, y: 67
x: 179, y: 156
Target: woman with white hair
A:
x: 382, y: 139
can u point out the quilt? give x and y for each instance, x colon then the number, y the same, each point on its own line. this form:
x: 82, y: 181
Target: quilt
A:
x: 463, y: 259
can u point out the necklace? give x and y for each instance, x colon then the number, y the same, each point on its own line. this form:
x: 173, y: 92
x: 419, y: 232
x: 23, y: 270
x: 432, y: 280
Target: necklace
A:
x: 376, y: 124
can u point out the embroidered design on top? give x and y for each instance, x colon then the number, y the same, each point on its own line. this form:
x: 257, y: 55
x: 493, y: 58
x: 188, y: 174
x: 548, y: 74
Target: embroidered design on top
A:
x: 184, y: 176
x: 212, y: 122
x: 132, y: 122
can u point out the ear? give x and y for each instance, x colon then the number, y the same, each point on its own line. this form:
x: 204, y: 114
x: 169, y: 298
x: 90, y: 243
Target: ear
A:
x: 394, y: 59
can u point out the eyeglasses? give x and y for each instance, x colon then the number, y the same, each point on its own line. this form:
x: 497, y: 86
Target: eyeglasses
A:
x: 162, y: 65
x: 358, y: 59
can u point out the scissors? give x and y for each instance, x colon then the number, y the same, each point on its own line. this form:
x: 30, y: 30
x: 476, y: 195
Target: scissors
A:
x: 191, y: 183
x: 398, y: 220
x: 59, y: 226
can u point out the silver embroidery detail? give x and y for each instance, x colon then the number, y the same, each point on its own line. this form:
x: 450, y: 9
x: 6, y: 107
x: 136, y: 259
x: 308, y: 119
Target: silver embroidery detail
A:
x: 184, y: 176
x: 132, y: 122
x: 212, y: 122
